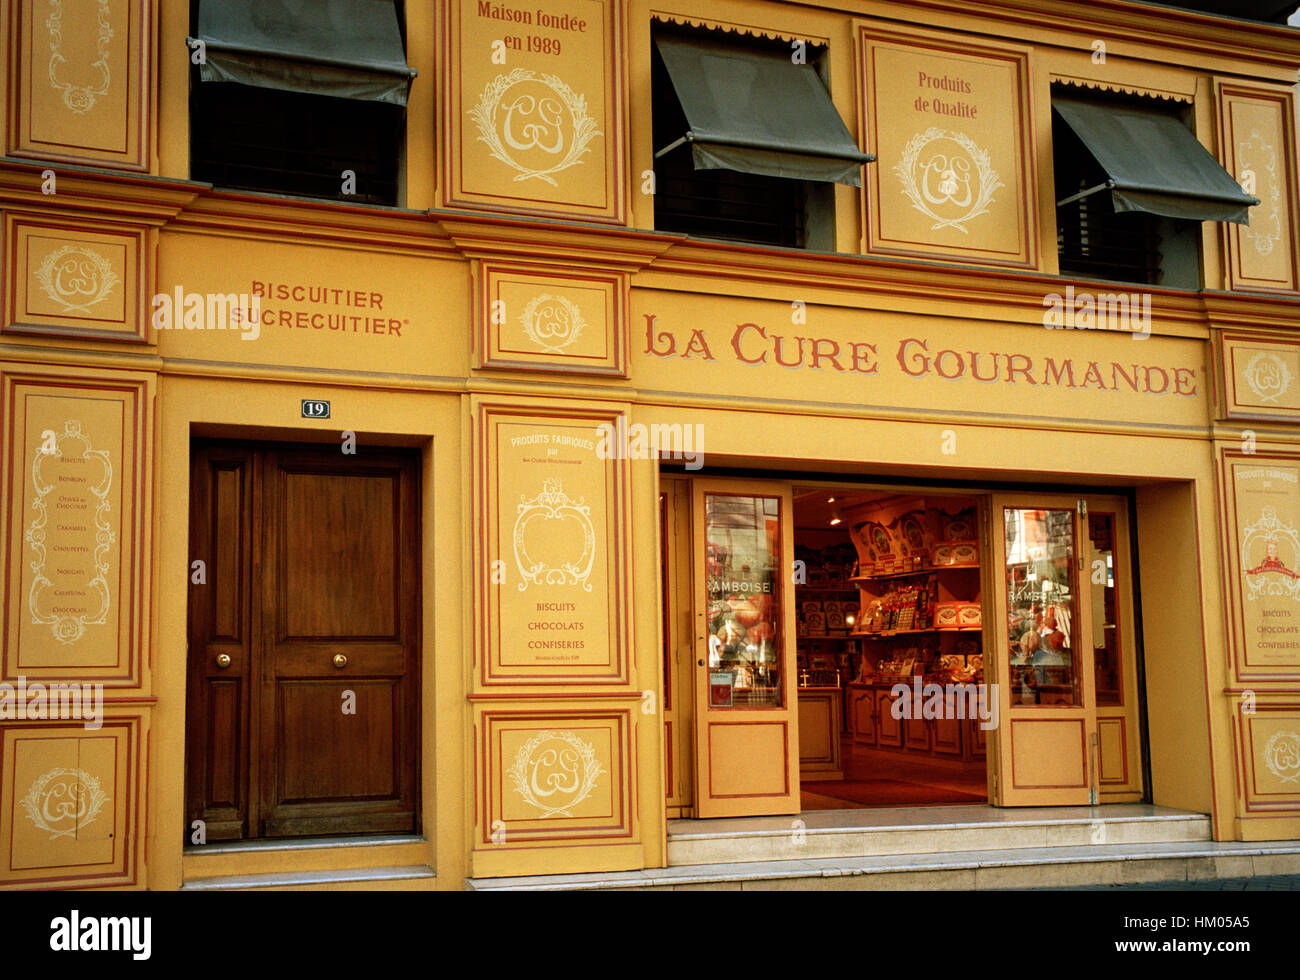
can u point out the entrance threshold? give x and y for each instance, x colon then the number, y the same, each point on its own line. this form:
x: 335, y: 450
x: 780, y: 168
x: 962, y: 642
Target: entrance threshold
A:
x: 928, y: 848
x: 926, y: 830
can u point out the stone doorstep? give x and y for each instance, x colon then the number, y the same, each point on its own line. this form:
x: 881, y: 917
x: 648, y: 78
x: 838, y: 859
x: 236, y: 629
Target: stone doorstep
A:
x: 936, y: 826
x: 360, y: 877
x: 920, y: 865
x: 737, y: 845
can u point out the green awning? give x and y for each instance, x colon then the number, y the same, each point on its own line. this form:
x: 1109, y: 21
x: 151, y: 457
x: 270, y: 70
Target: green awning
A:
x: 348, y: 49
x: 757, y: 112
x: 1153, y: 163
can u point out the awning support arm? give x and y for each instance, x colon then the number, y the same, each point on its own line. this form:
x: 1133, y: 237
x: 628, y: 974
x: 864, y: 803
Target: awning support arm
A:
x: 1108, y: 185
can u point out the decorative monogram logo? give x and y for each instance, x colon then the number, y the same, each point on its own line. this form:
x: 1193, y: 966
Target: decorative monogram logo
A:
x: 76, y: 277
x: 553, y: 504
x: 947, y: 177
x: 63, y: 801
x: 69, y: 628
x: 1248, y: 152
x: 1270, y: 574
x: 1268, y: 376
x: 79, y: 98
x: 534, y: 123
x: 555, y: 771
x: 1282, y: 756
x: 552, y: 322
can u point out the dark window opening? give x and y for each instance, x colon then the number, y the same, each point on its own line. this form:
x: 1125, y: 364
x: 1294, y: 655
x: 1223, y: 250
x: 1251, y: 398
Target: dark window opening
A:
x: 291, y: 143
x: 1096, y: 242
x: 254, y: 138
x: 729, y: 204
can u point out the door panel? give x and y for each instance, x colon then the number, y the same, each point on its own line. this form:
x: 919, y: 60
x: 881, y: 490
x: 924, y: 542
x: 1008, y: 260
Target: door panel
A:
x: 221, y: 626
x: 678, y: 641
x: 746, y: 733
x: 1119, y: 778
x: 1041, y: 653
x: 312, y: 726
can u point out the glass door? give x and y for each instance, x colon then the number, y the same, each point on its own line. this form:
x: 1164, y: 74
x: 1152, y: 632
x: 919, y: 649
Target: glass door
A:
x: 1041, y: 654
x: 746, y: 731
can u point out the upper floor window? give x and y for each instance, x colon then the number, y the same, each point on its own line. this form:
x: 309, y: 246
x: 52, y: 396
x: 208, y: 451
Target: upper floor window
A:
x: 303, y: 97
x: 1132, y: 188
x: 748, y: 144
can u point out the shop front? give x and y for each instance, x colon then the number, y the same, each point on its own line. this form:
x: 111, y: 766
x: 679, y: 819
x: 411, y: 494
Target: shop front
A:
x: 598, y: 457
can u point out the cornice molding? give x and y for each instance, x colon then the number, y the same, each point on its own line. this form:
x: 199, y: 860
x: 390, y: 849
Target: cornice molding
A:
x: 482, y: 236
x: 87, y: 192
x: 1167, y: 29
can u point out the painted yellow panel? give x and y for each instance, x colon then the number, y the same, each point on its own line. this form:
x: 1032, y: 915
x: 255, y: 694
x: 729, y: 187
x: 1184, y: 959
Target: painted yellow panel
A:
x: 1110, y: 733
x: 1264, y: 575
x: 540, y: 319
x: 1273, y: 758
x: 1261, y: 376
x: 1047, y: 754
x: 815, y: 728
x: 77, y: 502
x: 552, y: 574
x: 82, y: 81
x: 533, y: 107
x: 749, y: 759
x: 751, y: 350
x: 949, y: 122
x: 1257, y: 140
x: 553, y: 774
x: 69, y: 813
x: 78, y: 278
x: 315, y: 307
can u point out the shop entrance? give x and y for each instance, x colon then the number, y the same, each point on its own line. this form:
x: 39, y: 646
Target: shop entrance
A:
x: 832, y: 647
x: 303, y: 641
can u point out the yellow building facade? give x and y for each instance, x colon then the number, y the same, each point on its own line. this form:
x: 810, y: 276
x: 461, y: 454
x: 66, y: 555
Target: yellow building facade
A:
x: 350, y: 458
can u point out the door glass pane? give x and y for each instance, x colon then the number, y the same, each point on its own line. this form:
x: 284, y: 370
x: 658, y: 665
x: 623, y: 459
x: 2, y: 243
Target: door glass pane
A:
x: 1041, y: 607
x: 1105, y: 621
x: 742, y: 560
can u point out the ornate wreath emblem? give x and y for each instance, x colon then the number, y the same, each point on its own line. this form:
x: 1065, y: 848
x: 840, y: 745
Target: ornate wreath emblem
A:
x: 62, y: 801
x: 553, y: 504
x: 68, y: 628
x: 947, y: 177
x: 79, y: 98
x: 553, y: 763
x: 526, y: 112
x: 552, y: 322
x: 76, y: 278
x: 1269, y: 575
x: 1255, y: 148
x: 1268, y: 376
x: 1282, y: 756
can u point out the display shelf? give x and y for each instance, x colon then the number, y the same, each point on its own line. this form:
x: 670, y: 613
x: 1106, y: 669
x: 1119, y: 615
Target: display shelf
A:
x: 924, y: 571
x: 885, y: 634
x: 825, y: 588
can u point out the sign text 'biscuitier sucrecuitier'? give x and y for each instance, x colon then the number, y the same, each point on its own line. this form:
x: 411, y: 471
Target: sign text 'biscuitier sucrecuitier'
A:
x: 915, y: 357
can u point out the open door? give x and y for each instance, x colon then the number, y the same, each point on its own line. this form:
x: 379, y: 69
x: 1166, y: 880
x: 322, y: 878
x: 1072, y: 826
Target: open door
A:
x: 1040, y: 654
x: 746, y: 730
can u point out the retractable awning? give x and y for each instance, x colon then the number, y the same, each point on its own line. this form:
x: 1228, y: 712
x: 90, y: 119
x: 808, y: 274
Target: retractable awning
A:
x: 1153, y: 163
x: 348, y: 49
x: 757, y: 112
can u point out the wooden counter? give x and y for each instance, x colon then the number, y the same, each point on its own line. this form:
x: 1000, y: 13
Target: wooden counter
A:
x: 871, y: 722
x: 819, y: 733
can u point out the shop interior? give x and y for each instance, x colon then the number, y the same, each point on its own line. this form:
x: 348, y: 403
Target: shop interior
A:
x: 889, y: 592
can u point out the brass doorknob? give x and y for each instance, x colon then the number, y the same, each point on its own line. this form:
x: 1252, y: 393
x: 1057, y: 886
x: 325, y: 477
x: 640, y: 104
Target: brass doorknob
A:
x: 223, y: 660
x: 340, y: 661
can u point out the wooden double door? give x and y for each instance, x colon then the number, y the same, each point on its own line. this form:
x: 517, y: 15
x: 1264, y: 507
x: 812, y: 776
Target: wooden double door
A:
x: 303, y: 684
